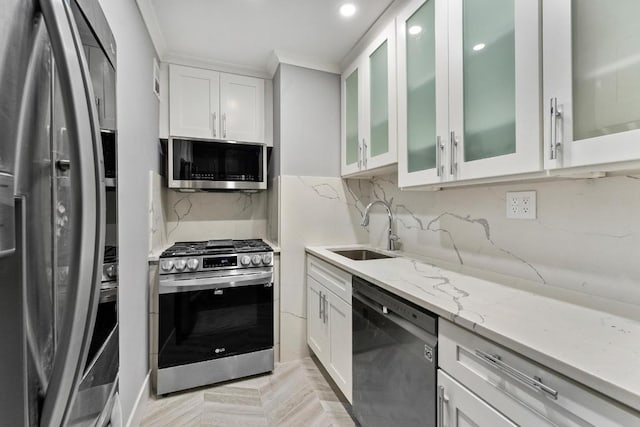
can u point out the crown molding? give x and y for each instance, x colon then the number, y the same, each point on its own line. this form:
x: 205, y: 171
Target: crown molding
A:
x: 200, y: 62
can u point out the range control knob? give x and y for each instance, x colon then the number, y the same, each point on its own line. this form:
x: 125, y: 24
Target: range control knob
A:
x: 266, y: 258
x: 245, y: 260
x: 256, y: 260
x: 166, y: 266
x: 180, y: 264
x: 193, y: 263
x: 112, y: 271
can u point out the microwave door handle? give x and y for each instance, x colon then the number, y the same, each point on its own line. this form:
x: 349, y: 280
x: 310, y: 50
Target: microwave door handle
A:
x: 87, y: 206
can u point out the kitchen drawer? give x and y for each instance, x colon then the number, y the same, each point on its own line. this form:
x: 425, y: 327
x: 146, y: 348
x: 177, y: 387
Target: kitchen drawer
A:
x: 500, y: 377
x: 334, y: 279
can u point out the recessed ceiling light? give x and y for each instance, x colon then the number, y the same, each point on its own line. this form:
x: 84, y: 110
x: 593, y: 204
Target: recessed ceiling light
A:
x: 479, y: 46
x: 347, y: 10
x: 415, y: 29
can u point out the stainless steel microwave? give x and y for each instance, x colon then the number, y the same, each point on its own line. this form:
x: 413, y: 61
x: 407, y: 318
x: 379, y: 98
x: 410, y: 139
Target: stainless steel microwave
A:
x: 198, y: 164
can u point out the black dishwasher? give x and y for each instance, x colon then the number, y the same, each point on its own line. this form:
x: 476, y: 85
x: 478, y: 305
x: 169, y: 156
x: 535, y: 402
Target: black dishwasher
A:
x: 394, y: 359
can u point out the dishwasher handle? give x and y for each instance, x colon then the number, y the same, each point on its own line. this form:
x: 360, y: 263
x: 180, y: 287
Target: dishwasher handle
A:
x: 399, y: 321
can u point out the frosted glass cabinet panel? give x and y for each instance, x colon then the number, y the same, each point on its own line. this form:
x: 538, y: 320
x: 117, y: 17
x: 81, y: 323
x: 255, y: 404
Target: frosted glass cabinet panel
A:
x: 352, y: 151
x: 379, y: 100
x: 489, y: 77
x: 422, y: 92
x: 591, y: 82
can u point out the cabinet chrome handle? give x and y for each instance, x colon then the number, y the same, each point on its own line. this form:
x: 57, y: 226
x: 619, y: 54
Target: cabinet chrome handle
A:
x: 319, y: 304
x: 359, y: 156
x: 531, y: 382
x: 555, y: 115
x: 454, y: 154
x: 213, y: 124
x: 364, y: 153
x: 326, y: 316
x: 442, y: 401
x: 224, y: 125
x: 438, y: 155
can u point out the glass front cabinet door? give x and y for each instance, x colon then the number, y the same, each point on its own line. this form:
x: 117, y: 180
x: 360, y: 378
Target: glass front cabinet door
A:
x: 591, y: 83
x: 369, y: 108
x: 468, y: 90
x: 422, y: 92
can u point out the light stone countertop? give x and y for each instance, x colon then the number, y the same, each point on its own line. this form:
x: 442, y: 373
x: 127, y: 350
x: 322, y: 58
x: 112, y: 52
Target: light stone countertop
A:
x: 572, y: 333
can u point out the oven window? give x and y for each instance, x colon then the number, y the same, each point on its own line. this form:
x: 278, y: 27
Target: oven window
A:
x: 217, y: 161
x: 210, y: 324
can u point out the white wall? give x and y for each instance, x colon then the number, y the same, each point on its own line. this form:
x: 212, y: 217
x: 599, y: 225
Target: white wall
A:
x: 309, y: 122
x: 137, y: 154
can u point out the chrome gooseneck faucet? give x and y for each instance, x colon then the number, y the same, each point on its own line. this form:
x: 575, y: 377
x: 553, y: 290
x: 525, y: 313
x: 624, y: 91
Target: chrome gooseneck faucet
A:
x: 391, y: 244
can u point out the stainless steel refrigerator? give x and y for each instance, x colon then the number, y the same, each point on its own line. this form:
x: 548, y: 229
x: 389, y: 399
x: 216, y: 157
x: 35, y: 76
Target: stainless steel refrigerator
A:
x: 57, y: 366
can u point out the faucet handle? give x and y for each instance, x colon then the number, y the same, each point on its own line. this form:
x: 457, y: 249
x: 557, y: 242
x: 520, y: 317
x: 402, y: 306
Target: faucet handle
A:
x: 393, y: 242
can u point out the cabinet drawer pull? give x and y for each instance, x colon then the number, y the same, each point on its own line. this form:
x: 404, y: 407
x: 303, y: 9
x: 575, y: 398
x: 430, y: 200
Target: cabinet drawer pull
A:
x: 319, y: 304
x: 533, y: 383
x: 213, y: 124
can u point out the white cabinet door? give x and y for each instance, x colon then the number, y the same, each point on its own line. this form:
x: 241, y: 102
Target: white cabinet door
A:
x: 379, y: 101
x: 352, y: 131
x: 317, y: 324
x: 592, y: 75
x: 340, y: 333
x: 194, y: 101
x: 242, y: 108
x: 458, y: 407
x: 423, y: 111
x: 494, y: 88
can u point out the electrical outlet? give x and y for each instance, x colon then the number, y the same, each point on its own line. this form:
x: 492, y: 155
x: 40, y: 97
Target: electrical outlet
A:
x: 521, y: 205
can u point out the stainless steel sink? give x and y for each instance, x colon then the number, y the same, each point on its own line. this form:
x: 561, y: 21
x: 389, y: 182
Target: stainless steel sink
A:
x: 361, y: 254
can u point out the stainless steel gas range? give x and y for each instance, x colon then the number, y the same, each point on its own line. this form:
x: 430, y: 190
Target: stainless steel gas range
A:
x: 215, y: 313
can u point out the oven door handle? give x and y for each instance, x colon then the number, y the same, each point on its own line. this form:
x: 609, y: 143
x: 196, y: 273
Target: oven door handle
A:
x: 202, y: 284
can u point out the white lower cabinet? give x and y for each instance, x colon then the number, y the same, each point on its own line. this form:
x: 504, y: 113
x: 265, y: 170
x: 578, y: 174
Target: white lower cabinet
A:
x: 519, y: 389
x: 329, y: 332
x: 459, y: 407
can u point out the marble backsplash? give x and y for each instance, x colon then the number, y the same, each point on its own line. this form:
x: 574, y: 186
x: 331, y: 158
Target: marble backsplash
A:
x: 313, y: 211
x: 176, y: 216
x: 586, y: 237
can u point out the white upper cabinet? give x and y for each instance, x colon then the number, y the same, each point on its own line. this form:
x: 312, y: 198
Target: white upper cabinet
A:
x: 242, y: 107
x: 468, y: 90
x: 369, y: 117
x: 591, y: 82
x: 494, y: 88
x: 212, y: 105
x: 423, y: 109
x: 194, y: 102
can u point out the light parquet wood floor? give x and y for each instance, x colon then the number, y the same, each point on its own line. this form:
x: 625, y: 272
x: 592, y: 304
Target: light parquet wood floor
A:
x: 296, y: 394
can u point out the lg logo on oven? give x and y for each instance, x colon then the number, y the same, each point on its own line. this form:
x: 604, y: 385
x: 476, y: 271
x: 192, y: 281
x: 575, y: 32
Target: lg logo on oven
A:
x: 219, y: 350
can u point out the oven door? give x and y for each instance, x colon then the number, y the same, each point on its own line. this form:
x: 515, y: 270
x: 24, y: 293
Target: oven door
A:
x: 216, y: 165
x: 208, y: 318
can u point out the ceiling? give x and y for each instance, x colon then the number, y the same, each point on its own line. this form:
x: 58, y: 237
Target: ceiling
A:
x: 246, y: 33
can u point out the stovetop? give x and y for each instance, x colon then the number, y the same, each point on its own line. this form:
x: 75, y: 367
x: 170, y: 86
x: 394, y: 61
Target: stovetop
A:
x: 216, y: 247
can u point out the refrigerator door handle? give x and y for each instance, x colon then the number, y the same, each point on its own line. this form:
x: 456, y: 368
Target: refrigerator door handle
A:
x: 87, y: 209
